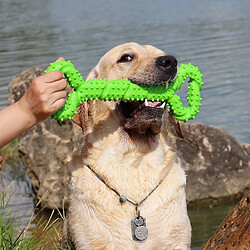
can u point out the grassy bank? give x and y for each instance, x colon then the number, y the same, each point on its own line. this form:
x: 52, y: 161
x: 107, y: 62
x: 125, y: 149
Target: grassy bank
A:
x: 46, y: 234
x: 10, y: 151
x: 43, y: 230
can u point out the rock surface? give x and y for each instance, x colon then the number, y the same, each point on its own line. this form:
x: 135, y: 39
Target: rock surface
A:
x: 234, y: 231
x: 44, y: 148
x: 217, y: 165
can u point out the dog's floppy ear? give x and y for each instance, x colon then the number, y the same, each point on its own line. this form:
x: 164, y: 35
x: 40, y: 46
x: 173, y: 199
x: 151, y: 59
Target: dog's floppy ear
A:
x: 175, y: 124
x: 78, y: 118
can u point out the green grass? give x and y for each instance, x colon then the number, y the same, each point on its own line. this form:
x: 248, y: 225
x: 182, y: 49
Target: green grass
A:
x: 10, y: 151
x: 7, y: 228
x: 46, y: 234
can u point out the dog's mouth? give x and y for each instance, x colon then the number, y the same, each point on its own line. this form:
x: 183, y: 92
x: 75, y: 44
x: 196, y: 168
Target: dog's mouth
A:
x: 143, y: 116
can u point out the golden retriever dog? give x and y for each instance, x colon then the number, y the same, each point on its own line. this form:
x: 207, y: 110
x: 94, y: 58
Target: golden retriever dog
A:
x: 127, y: 188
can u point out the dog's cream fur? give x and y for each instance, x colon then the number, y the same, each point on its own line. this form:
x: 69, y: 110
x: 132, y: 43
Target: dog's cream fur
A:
x: 133, y: 164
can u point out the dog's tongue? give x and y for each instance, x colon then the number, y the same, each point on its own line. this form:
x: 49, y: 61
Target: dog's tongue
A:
x: 154, y: 104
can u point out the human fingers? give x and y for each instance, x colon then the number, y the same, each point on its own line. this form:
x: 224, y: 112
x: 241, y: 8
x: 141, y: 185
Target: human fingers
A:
x: 58, y: 85
x: 52, y: 76
x: 57, y: 95
x: 60, y: 58
x: 57, y: 105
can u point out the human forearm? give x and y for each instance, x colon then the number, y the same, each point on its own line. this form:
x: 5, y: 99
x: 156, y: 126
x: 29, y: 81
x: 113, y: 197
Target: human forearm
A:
x: 14, y: 121
x: 43, y: 98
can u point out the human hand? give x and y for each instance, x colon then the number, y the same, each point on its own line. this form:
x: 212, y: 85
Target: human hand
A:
x: 44, y: 96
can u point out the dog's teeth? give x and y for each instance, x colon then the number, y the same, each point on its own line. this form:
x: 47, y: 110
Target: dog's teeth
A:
x: 146, y: 102
x: 163, y: 105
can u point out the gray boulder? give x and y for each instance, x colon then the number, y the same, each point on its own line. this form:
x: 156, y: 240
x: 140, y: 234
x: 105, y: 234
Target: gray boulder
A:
x: 44, y: 148
x: 217, y: 165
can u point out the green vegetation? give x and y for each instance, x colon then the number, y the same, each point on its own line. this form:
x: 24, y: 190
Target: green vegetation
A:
x: 44, y: 231
x: 10, y: 151
x: 45, y: 235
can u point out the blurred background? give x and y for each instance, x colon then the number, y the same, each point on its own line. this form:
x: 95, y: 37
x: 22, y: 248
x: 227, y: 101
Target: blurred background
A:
x: 213, y: 35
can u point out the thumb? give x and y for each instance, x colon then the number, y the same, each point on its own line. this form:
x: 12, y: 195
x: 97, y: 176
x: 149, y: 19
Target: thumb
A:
x: 60, y: 58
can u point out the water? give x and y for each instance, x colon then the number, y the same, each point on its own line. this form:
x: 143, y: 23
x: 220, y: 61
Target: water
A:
x: 213, y: 34
x: 21, y: 202
x: 205, y: 221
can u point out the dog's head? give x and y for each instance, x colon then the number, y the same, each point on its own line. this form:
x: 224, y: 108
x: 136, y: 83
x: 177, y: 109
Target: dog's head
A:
x: 142, y: 65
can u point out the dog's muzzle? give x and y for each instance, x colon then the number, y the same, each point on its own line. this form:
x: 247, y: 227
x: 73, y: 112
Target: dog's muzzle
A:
x: 143, y: 116
x: 147, y: 115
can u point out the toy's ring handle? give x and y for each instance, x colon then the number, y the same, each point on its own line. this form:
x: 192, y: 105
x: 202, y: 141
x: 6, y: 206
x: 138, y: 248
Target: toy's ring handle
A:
x: 72, y: 75
x: 194, y: 97
x: 74, y: 78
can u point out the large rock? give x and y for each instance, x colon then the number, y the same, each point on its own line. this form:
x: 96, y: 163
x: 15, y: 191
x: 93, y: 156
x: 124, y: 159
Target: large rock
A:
x: 44, y: 148
x: 217, y: 165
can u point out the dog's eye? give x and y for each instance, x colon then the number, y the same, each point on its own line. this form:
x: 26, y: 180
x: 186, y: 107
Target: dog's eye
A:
x: 126, y: 58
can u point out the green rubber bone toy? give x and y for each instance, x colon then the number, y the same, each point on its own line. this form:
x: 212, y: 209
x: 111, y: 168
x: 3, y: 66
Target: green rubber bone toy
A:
x: 101, y: 89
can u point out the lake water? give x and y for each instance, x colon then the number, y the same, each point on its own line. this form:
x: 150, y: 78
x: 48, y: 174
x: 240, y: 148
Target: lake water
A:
x: 213, y: 35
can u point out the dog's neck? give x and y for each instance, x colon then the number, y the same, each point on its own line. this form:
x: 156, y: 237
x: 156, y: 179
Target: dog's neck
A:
x: 111, y: 152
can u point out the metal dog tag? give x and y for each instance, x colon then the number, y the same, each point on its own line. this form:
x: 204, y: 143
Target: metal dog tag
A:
x: 139, y: 230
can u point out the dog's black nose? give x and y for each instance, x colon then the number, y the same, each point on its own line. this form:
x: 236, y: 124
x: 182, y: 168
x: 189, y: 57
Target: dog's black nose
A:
x: 166, y: 62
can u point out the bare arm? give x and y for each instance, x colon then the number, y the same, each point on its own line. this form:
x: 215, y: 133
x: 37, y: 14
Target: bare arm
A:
x: 43, y: 98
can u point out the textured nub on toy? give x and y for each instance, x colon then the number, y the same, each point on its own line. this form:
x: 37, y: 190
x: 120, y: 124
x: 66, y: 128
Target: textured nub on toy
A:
x: 101, y: 89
